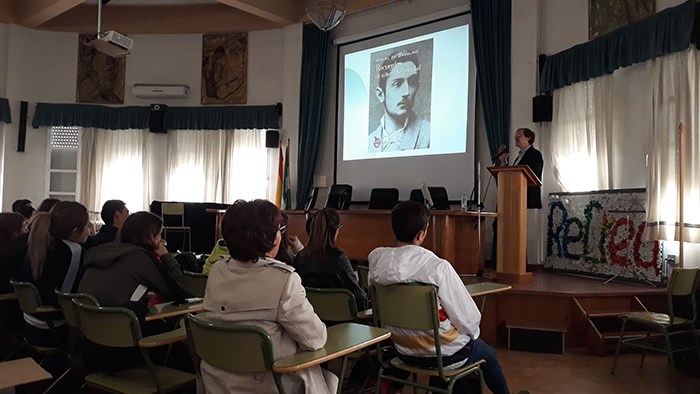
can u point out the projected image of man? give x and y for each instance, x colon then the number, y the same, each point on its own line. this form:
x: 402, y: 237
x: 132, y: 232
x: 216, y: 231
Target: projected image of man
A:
x: 399, y: 128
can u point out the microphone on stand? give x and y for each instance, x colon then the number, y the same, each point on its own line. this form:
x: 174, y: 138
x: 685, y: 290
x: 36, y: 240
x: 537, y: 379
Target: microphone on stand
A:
x: 502, y: 151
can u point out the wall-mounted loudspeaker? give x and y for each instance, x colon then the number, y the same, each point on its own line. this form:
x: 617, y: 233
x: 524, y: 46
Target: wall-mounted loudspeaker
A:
x: 542, y: 108
x: 272, y: 139
x: 157, y: 118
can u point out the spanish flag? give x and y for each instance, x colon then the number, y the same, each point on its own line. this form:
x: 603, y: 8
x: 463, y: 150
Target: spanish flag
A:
x: 278, y: 195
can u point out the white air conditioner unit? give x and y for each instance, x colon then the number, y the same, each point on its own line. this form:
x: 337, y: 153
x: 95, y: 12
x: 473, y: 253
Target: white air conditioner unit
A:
x: 160, y: 91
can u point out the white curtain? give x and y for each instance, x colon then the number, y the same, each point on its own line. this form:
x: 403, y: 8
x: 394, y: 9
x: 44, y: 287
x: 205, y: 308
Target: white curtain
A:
x: 113, y: 164
x: 245, y: 166
x: 194, y: 165
x: 674, y: 86
x: 219, y: 166
x: 581, y: 135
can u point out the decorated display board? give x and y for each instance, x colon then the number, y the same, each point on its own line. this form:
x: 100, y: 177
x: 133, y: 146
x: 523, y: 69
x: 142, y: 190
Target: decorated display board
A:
x: 602, y: 233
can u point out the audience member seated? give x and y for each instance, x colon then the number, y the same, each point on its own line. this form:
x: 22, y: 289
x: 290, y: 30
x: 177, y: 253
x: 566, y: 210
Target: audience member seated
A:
x: 114, y: 213
x: 220, y: 250
x: 250, y: 288
x: 322, y: 264
x: 408, y: 262
x: 23, y: 207
x: 13, y: 248
x: 47, y: 204
x: 54, y: 260
x: 121, y: 273
x: 290, y: 246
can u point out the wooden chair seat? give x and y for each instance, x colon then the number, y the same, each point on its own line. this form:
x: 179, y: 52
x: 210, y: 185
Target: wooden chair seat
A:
x: 397, y: 363
x: 139, y: 380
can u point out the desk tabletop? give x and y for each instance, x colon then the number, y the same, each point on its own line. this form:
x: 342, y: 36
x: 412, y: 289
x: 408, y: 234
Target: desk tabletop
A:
x: 342, y: 339
x: 486, y: 288
x: 167, y: 309
x: 22, y: 371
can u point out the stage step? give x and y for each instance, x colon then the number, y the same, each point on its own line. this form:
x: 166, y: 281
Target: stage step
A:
x: 616, y: 313
x: 598, y: 321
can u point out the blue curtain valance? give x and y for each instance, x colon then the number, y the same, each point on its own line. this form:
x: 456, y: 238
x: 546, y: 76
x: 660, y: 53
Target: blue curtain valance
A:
x: 5, y: 114
x: 667, y: 32
x: 99, y: 116
x: 221, y: 118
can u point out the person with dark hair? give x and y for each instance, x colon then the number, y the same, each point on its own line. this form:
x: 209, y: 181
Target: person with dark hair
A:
x: 121, y: 273
x: 408, y: 262
x: 290, y: 245
x: 322, y: 264
x: 248, y: 287
x: 397, y: 87
x: 54, y: 260
x: 528, y: 155
x: 23, y: 207
x: 114, y: 213
x: 12, y: 248
x: 47, y: 204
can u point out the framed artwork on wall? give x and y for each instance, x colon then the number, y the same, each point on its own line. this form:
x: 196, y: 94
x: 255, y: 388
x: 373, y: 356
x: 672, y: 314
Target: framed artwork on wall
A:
x: 225, y: 68
x: 100, y: 76
x: 605, y: 16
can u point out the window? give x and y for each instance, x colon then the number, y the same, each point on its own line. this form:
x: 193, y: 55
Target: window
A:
x: 62, y: 175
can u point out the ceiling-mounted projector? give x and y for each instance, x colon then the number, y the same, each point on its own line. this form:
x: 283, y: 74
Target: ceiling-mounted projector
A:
x: 112, y: 43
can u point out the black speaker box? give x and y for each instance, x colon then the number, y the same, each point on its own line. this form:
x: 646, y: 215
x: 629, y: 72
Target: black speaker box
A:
x: 157, y: 117
x: 542, y: 108
x: 272, y: 139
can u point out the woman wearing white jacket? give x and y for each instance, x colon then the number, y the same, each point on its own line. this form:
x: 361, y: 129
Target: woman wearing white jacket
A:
x: 251, y: 288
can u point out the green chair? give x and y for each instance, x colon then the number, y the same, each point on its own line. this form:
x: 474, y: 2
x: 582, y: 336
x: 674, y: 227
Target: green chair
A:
x: 683, y: 283
x: 195, y: 283
x: 231, y: 347
x: 177, y: 209
x: 30, y: 303
x: 415, y: 307
x: 333, y: 305
x: 363, y: 273
x: 119, y: 327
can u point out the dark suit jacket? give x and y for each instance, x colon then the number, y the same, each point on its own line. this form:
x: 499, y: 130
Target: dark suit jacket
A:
x: 533, y: 158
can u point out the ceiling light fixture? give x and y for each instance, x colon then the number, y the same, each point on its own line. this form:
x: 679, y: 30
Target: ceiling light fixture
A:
x: 325, y: 14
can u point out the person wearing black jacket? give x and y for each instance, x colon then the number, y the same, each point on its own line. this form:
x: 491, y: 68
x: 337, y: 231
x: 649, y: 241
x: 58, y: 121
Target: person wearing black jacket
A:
x: 528, y: 155
x: 54, y: 260
x: 114, y: 213
x: 321, y: 264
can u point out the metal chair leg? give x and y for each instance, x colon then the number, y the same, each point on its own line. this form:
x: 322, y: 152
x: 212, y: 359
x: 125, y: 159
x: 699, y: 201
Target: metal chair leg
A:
x: 670, y: 349
x: 644, y: 351
x: 619, y: 344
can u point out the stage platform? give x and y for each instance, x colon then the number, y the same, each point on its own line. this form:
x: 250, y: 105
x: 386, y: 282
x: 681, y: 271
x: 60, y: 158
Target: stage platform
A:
x: 588, y: 310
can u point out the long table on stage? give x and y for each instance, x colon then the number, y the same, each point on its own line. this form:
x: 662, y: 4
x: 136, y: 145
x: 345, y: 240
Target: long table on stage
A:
x: 452, y: 235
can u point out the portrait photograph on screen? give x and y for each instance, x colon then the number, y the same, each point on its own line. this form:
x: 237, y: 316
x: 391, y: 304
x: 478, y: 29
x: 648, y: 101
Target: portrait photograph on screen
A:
x: 406, y: 109
x: 399, y: 97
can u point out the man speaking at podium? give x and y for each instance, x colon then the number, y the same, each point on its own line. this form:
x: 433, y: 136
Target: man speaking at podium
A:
x: 524, y: 138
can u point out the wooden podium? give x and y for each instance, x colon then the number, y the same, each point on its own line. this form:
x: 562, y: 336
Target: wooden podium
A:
x: 512, y: 224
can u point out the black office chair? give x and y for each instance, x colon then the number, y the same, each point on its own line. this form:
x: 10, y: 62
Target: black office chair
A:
x: 438, y: 194
x: 311, y: 200
x: 339, y: 197
x: 383, y: 198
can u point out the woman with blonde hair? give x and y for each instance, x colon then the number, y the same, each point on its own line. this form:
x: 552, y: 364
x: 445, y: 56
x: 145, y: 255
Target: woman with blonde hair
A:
x: 54, y: 260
